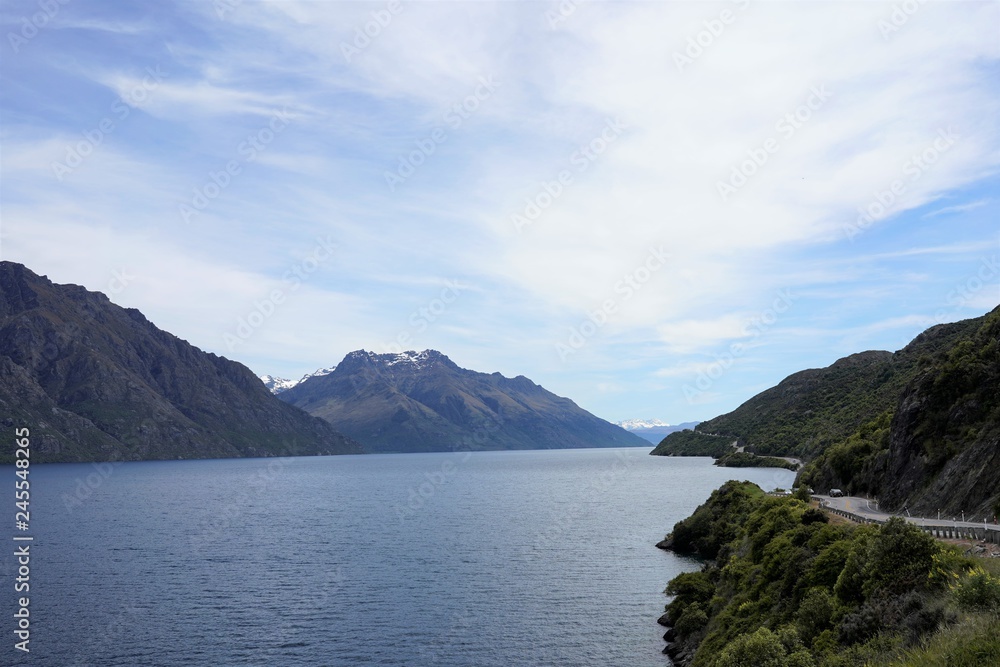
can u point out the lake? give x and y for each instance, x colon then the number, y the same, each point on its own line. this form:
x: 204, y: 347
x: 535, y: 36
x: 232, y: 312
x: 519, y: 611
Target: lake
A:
x: 485, y: 559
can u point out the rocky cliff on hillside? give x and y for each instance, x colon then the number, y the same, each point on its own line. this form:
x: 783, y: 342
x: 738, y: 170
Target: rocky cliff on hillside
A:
x: 938, y: 447
x: 95, y: 382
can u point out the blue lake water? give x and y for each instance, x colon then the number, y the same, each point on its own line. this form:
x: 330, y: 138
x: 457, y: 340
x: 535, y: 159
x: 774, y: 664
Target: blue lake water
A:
x: 485, y: 559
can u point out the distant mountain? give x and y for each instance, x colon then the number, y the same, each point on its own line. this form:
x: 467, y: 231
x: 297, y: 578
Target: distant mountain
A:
x: 97, y: 382
x: 278, y: 385
x: 633, y: 424
x: 420, y: 402
x: 918, y: 428
x: 653, y: 430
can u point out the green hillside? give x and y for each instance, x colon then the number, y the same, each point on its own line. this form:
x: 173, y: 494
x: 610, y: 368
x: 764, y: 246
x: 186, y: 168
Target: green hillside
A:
x: 785, y: 587
x: 918, y: 428
x: 812, y: 409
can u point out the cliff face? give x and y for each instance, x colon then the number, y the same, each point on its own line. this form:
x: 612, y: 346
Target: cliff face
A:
x: 94, y: 381
x: 419, y: 402
x: 944, y: 443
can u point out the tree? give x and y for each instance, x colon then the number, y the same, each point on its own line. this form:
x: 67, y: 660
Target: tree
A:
x: 763, y: 648
x: 899, y: 559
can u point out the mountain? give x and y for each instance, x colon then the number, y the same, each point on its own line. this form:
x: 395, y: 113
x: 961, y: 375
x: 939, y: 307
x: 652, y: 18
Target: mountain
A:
x: 918, y: 428
x: 97, y: 382
x: 653, y: 430
x: 939, y: 448
x: 421, y: 402
x: 277, y: 385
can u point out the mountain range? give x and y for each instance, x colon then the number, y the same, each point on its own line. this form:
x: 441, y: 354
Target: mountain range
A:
x: 97, y: 382
x: 653, y: 430
x: 421, y: 402
x: 93, y: 381
x: 918, y: 428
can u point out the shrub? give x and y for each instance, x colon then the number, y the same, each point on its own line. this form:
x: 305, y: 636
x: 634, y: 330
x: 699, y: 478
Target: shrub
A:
x: 815, y: 613
x: 827, y: 566
x: 692, y: 621
x: 813, y: 515
x: 763, y: 648
x: 899, y: 559
x: 692, y: 586
x: 978, y: 591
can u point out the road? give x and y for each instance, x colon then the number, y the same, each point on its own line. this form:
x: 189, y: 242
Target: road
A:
x: 791, y: 460
x: 868, y: 508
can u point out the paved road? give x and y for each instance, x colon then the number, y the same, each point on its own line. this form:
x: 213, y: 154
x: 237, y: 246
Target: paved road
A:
x: 869, y: 508
x: 790, y: 460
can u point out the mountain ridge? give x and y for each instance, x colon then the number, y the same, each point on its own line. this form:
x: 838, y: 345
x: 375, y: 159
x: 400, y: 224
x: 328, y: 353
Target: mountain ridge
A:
x: 423, y: 401
x: 95, y: 382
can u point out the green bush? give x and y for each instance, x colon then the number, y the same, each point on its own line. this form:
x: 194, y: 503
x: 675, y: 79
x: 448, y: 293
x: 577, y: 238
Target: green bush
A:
x: 692, y: 621
x: 760, y: 649
x: 815, y: 613
x: 900, y: 559
x: 978, y: 591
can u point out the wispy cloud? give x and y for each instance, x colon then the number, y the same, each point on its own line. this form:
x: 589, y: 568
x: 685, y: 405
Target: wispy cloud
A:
x: 958, y: 208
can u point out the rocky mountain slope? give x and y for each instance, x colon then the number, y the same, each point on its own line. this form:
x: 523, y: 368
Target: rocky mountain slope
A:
x: 420, y: 402
x: 97, y: 382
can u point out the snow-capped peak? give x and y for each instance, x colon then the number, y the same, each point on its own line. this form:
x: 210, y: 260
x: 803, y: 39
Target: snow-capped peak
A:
x: 276, y: 384
x: 634, y: 424
x: 317, y: 373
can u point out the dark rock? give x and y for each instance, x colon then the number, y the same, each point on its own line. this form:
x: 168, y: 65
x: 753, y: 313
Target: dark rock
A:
x: 666, y: 543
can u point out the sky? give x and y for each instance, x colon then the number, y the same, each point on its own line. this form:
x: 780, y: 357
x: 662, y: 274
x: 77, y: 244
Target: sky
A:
x: 655, y: 209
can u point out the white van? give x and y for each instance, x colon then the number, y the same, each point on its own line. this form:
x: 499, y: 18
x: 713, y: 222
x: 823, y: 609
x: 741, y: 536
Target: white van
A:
x: 836, y: 493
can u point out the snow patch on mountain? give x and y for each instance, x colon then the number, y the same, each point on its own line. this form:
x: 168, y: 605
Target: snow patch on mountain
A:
x: 278, y: 385
x: 412, y: 358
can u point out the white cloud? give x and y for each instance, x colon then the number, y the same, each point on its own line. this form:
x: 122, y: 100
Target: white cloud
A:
x: 958, y: 208
x: 655, y: 184
x: 686, y: 336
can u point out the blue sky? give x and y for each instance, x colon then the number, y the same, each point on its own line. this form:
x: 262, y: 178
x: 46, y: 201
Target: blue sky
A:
x: 656, y: 209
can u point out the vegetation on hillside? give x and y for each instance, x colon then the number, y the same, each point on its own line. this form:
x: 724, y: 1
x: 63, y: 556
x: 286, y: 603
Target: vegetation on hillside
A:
x: 693, y: 443
x: 784, y: 587
x: 748, y: 460
x: 918, y: 428
x: 855, y: 464
x: 939, y: 447
x: 813, y: 409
